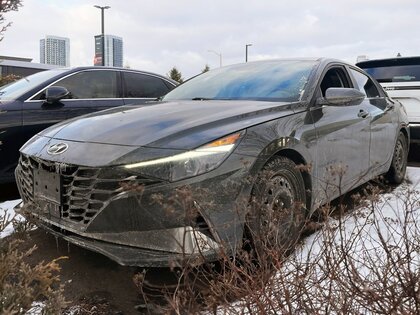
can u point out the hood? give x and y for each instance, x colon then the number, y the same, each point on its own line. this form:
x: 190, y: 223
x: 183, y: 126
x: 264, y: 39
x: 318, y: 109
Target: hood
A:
x: 172, y: 125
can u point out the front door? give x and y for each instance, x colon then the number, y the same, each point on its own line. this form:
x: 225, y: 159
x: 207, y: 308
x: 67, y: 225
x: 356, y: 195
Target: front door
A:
x: 343, y: 139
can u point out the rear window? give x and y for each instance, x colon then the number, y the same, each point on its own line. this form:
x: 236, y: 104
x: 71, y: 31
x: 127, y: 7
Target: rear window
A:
x: 400, y: 69
x: 395, y: 73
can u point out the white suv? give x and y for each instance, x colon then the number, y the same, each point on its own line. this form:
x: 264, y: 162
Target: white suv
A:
x: 400, y: 77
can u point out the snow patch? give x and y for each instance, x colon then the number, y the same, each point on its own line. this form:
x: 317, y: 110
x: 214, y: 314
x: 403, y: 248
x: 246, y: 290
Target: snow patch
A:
x: 7, y: 214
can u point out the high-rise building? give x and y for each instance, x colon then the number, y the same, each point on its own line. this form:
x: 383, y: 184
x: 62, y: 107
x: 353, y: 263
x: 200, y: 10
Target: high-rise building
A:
x: 113, y: 51
x: 55, y: 50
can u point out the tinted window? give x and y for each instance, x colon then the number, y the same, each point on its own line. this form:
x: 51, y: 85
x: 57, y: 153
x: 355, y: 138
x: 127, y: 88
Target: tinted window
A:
x: 265, y: 81
x: 395, y: 73
x: 91, y: 84
x: 335, y: 78
x: 141, y: 85
x: 365, y: 84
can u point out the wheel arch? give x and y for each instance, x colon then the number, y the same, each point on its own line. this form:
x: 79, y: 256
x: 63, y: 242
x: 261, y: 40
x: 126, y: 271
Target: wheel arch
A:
x: 406, y: 134
x: 298, y: 159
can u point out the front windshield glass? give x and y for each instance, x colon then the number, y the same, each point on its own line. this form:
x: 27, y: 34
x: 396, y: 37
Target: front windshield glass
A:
x: 16, y: 89
x: 281, y: 80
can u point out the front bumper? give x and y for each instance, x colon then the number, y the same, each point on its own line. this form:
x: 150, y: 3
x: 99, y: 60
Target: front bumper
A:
x: 140, y: 221
x: 134, y: 256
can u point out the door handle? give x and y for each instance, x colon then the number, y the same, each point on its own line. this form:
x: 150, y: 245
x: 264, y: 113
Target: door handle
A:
x: 362, y: 113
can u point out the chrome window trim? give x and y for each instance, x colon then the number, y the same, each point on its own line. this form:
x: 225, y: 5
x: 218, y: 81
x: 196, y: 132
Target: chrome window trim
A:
x: 29, y: 99
x: 79, y: 99
x: 99, y: 99
x: 139, y: 98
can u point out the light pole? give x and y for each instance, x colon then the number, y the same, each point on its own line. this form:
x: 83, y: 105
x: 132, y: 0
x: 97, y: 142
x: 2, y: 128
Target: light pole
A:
x: 103, y: 30
x: 246, y: 52
x: 219, y: 54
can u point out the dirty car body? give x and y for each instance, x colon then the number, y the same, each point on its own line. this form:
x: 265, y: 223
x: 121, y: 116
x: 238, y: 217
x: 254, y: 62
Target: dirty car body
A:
x: 169, y: 183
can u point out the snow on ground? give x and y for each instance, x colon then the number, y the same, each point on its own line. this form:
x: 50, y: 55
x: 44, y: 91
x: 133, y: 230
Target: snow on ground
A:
x: 7, y: 213
x: 369, y: 235
x: 388, y: 215
x: 392, y: 217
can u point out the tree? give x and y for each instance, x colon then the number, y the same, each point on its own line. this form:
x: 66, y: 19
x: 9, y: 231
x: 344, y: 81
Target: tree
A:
x: 174, y: 74
x: 206, y: 68
x: 6, y: 6
x: 8, y: 79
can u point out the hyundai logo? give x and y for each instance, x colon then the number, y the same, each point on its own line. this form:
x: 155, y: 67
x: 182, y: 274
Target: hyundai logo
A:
x: 57, y: 148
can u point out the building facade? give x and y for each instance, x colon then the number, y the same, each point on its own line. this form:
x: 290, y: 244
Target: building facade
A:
x: 55, y: 50
x: 20, y: 67
x: 113, y: 51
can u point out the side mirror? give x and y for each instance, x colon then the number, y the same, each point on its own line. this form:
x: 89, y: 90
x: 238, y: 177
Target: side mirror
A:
x: 341, y: 96
x: 55, y: 93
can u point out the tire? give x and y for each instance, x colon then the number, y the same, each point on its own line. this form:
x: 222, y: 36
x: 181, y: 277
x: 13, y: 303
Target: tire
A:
x: 396, y: 172
x: 277, y: 213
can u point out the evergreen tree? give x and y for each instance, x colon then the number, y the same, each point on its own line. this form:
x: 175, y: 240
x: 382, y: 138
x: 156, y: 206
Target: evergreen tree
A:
x: 206, y: 68
x: 174, y: 74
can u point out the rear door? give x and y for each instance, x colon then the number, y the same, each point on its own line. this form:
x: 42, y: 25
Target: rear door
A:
x: 384, y: 122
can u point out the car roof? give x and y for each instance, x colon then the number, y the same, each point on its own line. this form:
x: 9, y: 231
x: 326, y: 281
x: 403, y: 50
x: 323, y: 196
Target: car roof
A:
x: 387, y: 62
x: 321, y: 60
x: 81, y: 68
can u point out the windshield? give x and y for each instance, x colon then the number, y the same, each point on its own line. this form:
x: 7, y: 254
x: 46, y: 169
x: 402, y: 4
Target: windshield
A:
x: 281, y: 80
x: 16, y: 89
x: 402, y: 73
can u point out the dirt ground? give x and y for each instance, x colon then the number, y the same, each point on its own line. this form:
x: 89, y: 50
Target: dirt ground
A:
x: 89, y: 278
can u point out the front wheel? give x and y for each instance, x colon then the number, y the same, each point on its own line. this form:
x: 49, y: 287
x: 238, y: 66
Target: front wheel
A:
x: 396, y: 172
x: 277, y: 210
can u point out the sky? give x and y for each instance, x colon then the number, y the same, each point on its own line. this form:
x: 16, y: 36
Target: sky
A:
x: 189, y: 34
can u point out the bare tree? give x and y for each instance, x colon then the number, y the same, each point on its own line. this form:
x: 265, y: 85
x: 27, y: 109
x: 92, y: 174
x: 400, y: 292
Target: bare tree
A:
x: 6, y: 6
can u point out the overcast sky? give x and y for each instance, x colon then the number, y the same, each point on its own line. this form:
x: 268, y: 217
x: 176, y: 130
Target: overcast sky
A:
x: 160, y: 34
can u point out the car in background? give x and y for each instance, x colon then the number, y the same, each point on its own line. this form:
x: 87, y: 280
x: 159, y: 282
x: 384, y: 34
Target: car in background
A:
x: 187, y: 178
x: 35, y: 102
x: 400, y: 77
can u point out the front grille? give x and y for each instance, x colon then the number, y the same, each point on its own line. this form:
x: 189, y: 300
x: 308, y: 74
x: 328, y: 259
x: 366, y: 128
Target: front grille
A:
x: 85, y: 191
x: 24, y: 179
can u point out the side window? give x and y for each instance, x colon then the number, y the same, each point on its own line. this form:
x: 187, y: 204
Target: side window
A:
x: 141, y: 85
x: 335, y: 77
x: 365, y: 84
x: 88, y: 84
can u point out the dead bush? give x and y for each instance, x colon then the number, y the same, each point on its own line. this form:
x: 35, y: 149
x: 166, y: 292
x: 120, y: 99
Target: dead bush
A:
x: 362, y: 261
x: 24, y: 287
x: 8, y: 79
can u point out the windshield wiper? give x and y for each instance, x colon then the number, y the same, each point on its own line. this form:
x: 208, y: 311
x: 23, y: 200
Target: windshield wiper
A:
x: 201, y: 99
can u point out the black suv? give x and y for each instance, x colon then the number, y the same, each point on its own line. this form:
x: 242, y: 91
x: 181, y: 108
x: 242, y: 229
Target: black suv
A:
x: 33, y: 103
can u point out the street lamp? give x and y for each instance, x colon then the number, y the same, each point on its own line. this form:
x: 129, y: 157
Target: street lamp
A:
x: 219, y: 54
x: 246, y: 52
x: 103, y: 30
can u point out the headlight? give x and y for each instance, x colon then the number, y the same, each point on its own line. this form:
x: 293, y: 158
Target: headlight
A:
x: 191, y: 163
